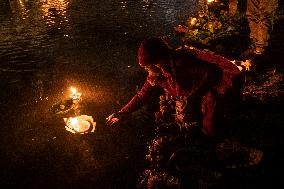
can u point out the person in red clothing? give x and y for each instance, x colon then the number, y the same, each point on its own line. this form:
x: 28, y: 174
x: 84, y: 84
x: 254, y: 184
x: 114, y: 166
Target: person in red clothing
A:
x: 202, y: 79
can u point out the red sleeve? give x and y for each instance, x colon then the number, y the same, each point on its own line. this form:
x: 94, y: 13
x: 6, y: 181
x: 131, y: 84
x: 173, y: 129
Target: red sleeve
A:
x: 142, y: 96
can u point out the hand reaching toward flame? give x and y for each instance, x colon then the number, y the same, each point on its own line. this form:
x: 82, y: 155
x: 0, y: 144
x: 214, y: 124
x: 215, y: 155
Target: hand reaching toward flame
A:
x: 114, y: 118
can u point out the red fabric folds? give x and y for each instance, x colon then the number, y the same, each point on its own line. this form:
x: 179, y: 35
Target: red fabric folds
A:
x: 202, y: 79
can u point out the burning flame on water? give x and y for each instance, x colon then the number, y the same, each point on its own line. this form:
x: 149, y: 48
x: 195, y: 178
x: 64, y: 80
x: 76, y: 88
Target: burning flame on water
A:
x: 74, y: 94
x: 74, y: 123
x: 81, y: 124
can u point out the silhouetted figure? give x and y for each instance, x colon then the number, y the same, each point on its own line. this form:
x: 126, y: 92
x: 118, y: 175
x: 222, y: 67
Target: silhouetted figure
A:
x: 199, y: 80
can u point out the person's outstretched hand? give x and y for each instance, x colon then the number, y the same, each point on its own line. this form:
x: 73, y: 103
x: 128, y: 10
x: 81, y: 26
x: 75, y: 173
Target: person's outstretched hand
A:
x: 112, y: 119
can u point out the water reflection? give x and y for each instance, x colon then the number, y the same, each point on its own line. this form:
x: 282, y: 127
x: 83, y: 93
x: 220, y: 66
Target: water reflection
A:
x: 29, y: 34
x: 146, y: 4
x: 38, y: 62
x: 23, y: 9
x: 54, y: 12
x: 123, y: 5
x: 51, y: 38
x: 31, y: 23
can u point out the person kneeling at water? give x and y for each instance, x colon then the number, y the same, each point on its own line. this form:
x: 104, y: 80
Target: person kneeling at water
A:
x: 202, y: 79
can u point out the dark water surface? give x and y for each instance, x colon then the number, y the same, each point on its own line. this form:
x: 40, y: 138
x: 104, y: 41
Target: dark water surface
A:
x: 46, y: 40
x: 46, y: 46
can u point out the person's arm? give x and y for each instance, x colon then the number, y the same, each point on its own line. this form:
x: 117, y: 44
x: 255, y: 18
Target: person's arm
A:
x: 142, y: 96
x: 134, y: 104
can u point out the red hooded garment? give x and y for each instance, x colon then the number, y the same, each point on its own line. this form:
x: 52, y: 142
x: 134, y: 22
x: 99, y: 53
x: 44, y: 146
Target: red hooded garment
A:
x: 202, y: 77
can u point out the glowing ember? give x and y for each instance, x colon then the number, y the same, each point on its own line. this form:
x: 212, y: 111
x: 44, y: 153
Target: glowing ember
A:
x: 82, y: 124
x: 74, y: 94
x: 193, y: 21
x: 243, y: 65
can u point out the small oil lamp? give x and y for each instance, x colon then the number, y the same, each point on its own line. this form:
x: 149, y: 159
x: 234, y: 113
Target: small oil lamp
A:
x: 70, y: 112
x: 80, y: 125
x: 74, y: 94
x: 68, y: 106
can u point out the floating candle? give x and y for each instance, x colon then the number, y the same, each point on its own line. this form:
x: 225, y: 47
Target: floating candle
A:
x: 81, y: 124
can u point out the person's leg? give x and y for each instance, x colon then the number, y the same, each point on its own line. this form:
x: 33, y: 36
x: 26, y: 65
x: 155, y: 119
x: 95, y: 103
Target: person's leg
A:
x: 267, y: 9
x: 233, y: 7
x: 260, y: 15
x: 252, y: 15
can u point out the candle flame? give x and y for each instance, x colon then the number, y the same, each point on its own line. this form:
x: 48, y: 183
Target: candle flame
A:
x: 74, y: 94
x: 81, y: 124
x: 193, y: 21
x: 74, y: 123
x: 210, y: 1
x: 73, y: 90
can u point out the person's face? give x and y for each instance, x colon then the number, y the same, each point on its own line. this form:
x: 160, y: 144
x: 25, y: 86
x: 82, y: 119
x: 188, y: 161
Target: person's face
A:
x: 153, y: 70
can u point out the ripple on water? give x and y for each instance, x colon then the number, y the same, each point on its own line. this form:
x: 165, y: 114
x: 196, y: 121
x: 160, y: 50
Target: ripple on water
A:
x: 47, y: 45
x: 59, y: 39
